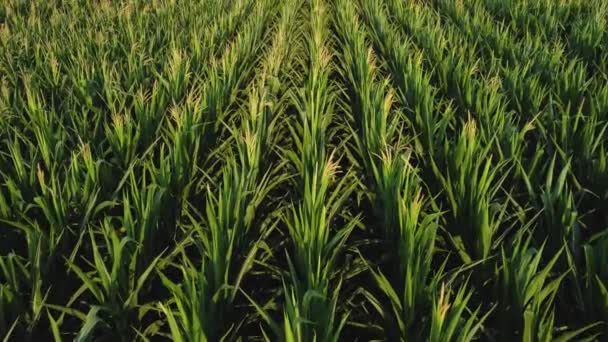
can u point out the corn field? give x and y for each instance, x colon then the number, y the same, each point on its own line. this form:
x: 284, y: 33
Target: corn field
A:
x: 304, y: 170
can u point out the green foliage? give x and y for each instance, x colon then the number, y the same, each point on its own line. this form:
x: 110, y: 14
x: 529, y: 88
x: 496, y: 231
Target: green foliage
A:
x: 303, y: 170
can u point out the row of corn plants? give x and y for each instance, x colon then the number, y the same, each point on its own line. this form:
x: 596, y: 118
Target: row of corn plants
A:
x: 311, y: 286
x: 205, y: 300
x: 408, y: 292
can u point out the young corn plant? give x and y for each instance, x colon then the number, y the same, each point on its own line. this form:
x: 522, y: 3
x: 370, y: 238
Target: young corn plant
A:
x: 407, y: 284
x: 528, y: 293
x: 202, y: 303
x: 43, y: 247
x: 205, y: 298
x: 588, y: 282
x: 23, y: 289
x: 19, y: 174
x: 580, y: 141
x: 177, y: 165
x: 115, y: 285
x: 141, y: 217
x: 193, y: 317
x: 375, y: 126
x: 43, y: 121
x: 122, y: 135
x: 596, y: 280
x: 526, y: 89
x: 206, y: 294
x: 559, y: 222
x: 471, y: 182
x: 448, y: 319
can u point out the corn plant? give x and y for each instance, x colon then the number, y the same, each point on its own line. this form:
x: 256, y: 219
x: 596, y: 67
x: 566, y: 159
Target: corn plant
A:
x: 586, y: 283
x: 559, y: 218
x: 595, y: 281
x: 447, y: 319
x: 471, y: 184
x: 529, y: 293
x: 408, y: 283
x: 114, y: 284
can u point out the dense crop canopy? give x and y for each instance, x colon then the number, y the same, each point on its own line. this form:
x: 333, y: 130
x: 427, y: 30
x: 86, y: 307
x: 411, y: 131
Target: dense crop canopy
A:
x: 303, y: 170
